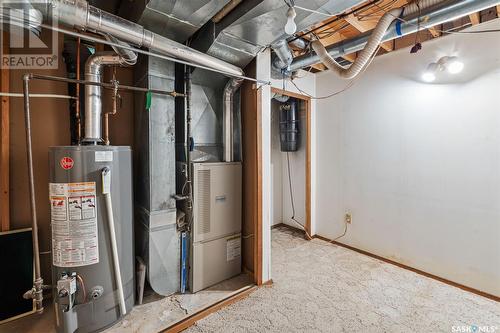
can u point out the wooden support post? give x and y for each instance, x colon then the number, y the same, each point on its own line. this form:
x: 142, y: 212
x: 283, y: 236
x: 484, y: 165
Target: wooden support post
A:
x: 4, y: 142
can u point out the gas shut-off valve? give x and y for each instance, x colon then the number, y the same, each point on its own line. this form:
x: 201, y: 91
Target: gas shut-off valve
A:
x: 66, y: 290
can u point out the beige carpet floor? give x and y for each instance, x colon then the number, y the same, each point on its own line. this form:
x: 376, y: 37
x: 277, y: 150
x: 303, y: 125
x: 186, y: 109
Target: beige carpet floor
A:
x: 320, y: 287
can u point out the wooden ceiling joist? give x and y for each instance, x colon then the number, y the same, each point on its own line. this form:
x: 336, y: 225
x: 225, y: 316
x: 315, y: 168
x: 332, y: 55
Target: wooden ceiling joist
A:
x: 337, y: 29
x: 475, y: 18
x: 434, y: 32
x: 363, y: 26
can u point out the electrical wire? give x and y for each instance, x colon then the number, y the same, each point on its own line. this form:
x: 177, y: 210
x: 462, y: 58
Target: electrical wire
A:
x: 337, y: 18
x: 82, y: 287
x: 292, y: 199
x: 349, y: 85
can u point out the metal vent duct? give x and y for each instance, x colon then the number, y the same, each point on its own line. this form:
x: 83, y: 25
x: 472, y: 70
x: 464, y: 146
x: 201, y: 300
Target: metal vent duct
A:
x: 256, y: 24
x: 174, y: 19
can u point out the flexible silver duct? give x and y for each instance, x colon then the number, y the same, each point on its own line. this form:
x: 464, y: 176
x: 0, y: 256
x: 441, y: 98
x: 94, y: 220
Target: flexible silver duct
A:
x: 373, y: 42
x: 79, y: 14
x: 435, y: 15
x: 299, y: 43
x: 128, y: 56
x: 284, y: 54
x: 93, y: 94
x: 228, y: 109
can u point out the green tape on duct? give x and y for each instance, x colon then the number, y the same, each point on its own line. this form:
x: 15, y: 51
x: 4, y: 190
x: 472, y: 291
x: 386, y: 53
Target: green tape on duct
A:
x: 148, y: 100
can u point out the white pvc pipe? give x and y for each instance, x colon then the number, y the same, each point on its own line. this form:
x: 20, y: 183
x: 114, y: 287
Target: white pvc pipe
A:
x: 114, y: 248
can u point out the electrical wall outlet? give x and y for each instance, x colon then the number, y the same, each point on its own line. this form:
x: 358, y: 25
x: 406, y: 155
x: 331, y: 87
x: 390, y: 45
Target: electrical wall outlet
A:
x: 348, y: 218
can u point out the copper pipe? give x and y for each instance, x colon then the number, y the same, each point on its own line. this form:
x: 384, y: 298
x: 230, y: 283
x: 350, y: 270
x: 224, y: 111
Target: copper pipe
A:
x: 77, y: 105
x: 113, y: 112
x: 105, y: 125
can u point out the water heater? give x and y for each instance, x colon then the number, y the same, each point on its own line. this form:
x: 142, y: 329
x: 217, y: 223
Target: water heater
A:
x: 90, y: 194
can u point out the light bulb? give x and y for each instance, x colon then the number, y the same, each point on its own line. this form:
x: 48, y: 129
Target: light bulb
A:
x: 428, y: 77
x: 290, y: 26
x: 454, y: 65
x: 430, y: 73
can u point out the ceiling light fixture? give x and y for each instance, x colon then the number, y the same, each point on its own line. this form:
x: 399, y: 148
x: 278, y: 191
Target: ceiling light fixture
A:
x: 430, y: 73
x: 290, y: 26
x: 451, y: 64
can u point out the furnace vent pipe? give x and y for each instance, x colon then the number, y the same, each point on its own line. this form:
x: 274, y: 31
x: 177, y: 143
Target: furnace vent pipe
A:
x: 284, y: 54
x: 429, y: 17
x: 79, y: 14
x: 93, y: 93
x: 228, y: 111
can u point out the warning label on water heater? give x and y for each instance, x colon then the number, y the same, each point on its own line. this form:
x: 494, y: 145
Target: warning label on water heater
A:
x: 74, y: 224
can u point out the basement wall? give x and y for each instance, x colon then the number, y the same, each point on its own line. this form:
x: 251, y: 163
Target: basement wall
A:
x: 417, y: 165
x: 281, y: 204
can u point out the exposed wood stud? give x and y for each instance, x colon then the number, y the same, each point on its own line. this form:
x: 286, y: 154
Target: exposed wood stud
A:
x: 4, y: 143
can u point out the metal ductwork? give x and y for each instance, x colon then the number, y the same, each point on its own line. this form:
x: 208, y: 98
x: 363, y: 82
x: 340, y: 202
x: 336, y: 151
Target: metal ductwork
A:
x: 439, y: 14
x: 284, y: 56
x: 174, y: 19
x: 21, y: 14
x: 255, y: 24
x: 94, y: 68
x: 79, y: 14
x: 228, y: 109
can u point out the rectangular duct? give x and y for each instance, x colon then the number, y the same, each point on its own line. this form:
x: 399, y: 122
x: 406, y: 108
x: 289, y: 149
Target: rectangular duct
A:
x: 174, y: 19
x: 157, y: 239
x: 256, y: 24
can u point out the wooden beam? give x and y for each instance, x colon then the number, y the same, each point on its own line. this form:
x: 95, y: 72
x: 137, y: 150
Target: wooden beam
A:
x: 498, y: 10
x: 4, y: 142
x: 475, y: 18
x: 363, y: 26
x: 351, y: 57
x: 320, y: 67
x: 434, y: 32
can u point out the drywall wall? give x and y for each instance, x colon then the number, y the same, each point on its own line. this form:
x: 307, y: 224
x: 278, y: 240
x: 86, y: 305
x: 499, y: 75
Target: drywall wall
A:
x: 305, y: 85
x: 281, y: 204
x: 307, y: 82
x: 418, y: 165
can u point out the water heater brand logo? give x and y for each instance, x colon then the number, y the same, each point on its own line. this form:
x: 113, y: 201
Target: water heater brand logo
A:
x: 24, y: 47
x: 66, y: 163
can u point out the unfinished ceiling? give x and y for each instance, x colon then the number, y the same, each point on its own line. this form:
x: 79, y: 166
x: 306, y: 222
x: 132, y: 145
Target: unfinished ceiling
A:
x: 364, y: 18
